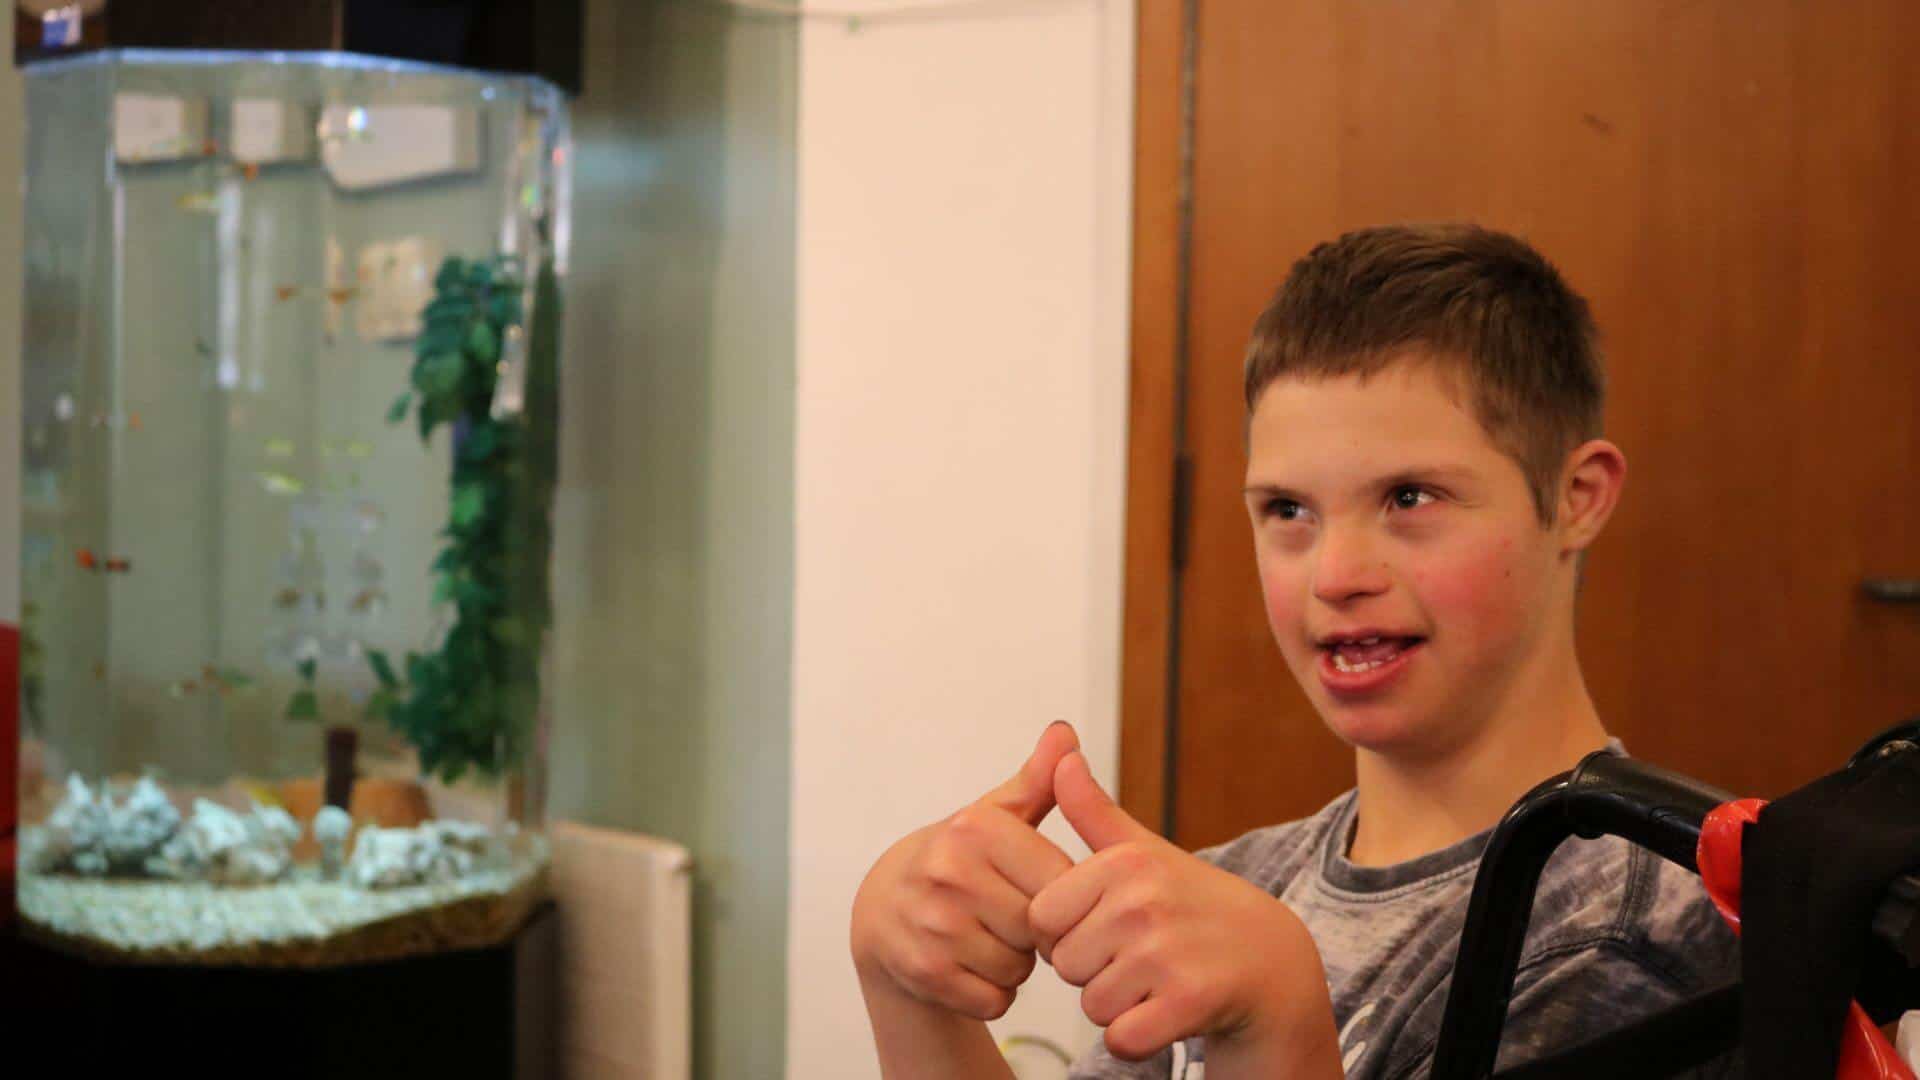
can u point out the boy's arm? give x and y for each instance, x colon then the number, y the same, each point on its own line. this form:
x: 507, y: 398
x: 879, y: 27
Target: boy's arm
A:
x: 1307, y: 1049
x: 927, y: 1042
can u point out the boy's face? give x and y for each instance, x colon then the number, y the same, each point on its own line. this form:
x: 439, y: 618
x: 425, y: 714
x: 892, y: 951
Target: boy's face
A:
x: 1382, y: 509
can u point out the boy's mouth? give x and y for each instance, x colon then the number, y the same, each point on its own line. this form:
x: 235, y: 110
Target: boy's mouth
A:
x: 1361, y: 653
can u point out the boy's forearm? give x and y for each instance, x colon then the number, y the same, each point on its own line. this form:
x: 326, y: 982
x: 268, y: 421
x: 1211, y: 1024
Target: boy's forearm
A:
x: 1233, y: 1060
x: 917, y: 1041
x: 1303, y: 1044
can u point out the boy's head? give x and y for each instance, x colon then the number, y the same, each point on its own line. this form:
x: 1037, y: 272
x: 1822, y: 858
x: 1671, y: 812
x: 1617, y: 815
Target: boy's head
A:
x: 1424, y: 466
x: 1490, y: 313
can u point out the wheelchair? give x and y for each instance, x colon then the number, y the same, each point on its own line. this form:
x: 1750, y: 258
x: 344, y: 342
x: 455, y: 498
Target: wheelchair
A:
x: 1662, y: 811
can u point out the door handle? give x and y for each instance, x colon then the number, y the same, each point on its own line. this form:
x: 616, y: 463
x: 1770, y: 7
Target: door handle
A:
x: 1892, y: 590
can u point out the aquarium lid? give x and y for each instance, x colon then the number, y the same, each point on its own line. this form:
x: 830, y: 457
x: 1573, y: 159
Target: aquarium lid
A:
x: 522, y: 37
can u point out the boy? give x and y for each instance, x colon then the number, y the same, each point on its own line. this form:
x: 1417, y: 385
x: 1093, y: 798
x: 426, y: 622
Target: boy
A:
x: 1424, y: 475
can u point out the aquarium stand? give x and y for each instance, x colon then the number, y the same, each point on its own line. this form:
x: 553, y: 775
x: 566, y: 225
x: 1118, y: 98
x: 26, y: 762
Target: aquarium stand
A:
x: 473, y: 1014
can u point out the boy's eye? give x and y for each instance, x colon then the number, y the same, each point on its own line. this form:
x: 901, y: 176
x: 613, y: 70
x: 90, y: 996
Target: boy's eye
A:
x: 1409, y: 498
x: 1284, y: 509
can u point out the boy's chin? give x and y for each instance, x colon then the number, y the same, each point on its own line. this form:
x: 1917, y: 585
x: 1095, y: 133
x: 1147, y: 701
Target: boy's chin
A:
x: 1389, y: 730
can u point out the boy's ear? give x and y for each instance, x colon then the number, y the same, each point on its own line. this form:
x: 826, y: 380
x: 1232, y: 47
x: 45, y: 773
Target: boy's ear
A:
x: 1595, y: 473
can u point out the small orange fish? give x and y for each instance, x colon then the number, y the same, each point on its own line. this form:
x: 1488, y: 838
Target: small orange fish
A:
x: 285, y: 292
x: 250, y: 170
x: 341, y: 296
x: 100, y: 672
x: 133, y: 421
x: 112, y: 564
x: 365, y: 599
x: 287, y: 597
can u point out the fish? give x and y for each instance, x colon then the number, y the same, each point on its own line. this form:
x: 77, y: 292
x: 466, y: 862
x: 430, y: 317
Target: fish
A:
x: 287, y: 597
x: 87, y: 560
x: 251, y: 170
x: 225, y: 679
x: 100, y: 672
x: 364, y: 600
x: 279, y: 483
x: 339, y: 294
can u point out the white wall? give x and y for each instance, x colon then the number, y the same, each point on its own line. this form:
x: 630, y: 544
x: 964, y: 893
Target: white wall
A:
x: 963, y: 272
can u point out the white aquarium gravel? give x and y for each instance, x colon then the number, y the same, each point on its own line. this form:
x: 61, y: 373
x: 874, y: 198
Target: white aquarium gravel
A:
x: 173, y: 917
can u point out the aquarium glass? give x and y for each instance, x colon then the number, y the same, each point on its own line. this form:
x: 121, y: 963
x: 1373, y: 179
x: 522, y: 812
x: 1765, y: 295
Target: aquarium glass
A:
x: 290, y: 369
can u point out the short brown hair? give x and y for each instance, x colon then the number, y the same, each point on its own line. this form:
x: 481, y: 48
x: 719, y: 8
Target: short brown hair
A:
x: 1494, y: 313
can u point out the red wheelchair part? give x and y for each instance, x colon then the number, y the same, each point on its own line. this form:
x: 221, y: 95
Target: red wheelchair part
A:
x: 1865, y: 1053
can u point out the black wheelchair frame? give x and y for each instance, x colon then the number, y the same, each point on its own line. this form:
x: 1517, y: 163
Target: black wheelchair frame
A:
x: 1605, y: 795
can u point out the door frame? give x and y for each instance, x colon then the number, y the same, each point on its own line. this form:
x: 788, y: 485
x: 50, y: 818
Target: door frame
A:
x: 1162, y: 219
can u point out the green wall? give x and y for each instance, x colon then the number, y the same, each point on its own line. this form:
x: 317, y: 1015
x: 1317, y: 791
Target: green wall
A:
x: 674, y: 579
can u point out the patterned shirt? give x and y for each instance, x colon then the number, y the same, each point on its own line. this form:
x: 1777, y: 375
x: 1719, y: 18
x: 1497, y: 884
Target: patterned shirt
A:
x: 1617, y: 934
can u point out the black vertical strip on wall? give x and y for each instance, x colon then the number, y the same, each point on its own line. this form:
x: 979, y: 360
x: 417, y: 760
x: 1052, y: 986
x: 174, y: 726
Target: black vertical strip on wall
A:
x: 1182, y: 465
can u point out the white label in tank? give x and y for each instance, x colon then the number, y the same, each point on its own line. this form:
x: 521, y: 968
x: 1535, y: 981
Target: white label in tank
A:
x: 377, y: 145
x: 266, y: 131
x: 158, y: 127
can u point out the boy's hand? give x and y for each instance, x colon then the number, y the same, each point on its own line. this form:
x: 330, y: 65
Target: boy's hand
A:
x: 1168, y: 946
x: 942, y: 916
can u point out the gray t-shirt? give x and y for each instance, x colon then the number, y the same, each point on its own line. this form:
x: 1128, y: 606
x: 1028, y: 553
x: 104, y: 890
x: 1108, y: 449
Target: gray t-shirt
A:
x: 1617, y: 934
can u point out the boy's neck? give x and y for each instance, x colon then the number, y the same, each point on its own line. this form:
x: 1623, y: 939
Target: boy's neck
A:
x: 1411, y: 807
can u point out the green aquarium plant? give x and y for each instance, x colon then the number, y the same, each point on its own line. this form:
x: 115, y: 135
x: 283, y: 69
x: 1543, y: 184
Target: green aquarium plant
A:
x: 471, y: 704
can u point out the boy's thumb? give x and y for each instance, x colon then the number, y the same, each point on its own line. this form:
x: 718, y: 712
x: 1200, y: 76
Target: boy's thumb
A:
x: 1089, y: 809
x: 1029, y: 794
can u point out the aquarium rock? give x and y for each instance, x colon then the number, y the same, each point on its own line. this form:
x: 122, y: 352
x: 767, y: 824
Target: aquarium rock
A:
x: 89, y: 833
x: 436, y: 851
x: 74, y: 837
x: 229, y: 848
x: 140, y: 826
x: 330, y: 827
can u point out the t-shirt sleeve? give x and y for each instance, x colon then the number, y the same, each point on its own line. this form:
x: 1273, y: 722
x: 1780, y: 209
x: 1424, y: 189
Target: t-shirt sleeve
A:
x: 1563, y: 1000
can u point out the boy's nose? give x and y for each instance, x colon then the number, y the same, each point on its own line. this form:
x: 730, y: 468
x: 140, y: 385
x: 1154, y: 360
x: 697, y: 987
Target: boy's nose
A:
x: 1347, y: 567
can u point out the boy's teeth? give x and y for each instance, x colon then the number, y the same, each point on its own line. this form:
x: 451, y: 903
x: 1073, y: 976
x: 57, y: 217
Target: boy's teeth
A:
x: 1367, y: 654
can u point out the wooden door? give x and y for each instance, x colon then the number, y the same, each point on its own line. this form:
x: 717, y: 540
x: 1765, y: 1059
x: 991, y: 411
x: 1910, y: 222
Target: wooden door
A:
x: 1735, y: 185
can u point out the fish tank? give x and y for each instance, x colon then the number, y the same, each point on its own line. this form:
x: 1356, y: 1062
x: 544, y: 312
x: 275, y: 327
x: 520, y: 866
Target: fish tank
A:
x: 289, y: 407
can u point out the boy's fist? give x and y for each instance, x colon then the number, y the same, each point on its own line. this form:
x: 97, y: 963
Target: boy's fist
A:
x: 942, y: 916
x: 1165, y: 945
